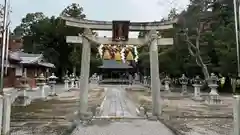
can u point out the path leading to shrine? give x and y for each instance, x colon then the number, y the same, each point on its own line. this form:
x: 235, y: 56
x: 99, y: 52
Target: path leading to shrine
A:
x: 116, y: 104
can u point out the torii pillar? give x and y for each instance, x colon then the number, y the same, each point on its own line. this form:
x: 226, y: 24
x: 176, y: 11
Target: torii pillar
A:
x: 85, y: 69
x: 155, y: 80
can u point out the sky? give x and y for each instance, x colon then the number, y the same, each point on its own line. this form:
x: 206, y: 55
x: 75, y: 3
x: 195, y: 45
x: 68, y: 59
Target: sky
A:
x: 133, y: 10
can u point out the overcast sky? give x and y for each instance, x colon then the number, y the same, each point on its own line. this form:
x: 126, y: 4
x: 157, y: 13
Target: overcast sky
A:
x: 134, y: 10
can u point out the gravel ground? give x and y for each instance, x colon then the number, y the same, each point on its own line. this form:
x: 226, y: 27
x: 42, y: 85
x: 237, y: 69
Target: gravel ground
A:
x: 48, y: 117
x: 190, y: 117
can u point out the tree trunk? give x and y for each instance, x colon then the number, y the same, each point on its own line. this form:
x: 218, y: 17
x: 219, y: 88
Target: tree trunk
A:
x: 203, y: 66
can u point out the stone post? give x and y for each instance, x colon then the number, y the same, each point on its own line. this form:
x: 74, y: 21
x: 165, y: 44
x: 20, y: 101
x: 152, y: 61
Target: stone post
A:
x: 85, y: 68
x: 6, y: 114
x: 155, y: 85
x: 236, y: 115
x: 1, y: 112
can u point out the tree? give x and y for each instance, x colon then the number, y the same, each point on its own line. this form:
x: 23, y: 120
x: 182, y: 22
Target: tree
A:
x: 194, y: 33
x: 76, y: 11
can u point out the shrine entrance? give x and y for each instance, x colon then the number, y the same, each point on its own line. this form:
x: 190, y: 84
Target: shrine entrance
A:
x: 121, y: 49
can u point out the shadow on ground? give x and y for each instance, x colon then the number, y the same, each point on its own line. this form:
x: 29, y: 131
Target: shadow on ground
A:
x: 45, y: 117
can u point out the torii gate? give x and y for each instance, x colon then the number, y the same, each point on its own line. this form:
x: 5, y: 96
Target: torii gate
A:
x: 151, y: 39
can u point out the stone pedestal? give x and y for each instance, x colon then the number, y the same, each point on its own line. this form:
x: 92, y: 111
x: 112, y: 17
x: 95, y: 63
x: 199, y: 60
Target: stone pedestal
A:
x: 213, y: 95
x: 141, y: 112
x: 6, y: 114
x: 42, y: 89
x: 53, y: 90
x: 184, y: 90
x: 66, y: 84
x: 197, y: 92
x: 72, y: 83
x: 166, y: 86
x: 22, y: 99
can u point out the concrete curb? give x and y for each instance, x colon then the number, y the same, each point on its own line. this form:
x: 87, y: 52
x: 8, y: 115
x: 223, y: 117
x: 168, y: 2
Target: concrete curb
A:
x: 102, y: 104
x: 169, y: 126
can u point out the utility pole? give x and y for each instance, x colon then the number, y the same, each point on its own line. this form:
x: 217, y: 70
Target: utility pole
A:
x: 4, y: 34
x: 7, y: 38
x: 237, y: 26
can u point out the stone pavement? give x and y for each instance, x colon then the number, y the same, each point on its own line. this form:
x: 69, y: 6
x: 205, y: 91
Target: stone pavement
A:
x: 116, y: 104
x: 123, y: 127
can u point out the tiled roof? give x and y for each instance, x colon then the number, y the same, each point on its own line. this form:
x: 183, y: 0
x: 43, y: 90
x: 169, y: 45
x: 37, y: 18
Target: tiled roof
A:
x: 12, y: 55
x: 28, y: 58
x: 46, y: 64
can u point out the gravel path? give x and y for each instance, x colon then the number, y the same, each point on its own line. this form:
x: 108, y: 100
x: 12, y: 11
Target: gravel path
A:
x: 116, y: 104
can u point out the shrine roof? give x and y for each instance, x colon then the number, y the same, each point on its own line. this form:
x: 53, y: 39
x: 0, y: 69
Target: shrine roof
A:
x: 113, y: 64
x: 29, y: 58
x: 12, y: 55
x: 38, y: 59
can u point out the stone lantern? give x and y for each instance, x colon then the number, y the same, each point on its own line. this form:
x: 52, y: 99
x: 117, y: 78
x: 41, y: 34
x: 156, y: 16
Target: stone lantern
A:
x: 213, y: 84
x: 23, y: 99
x: 66, y: 81
x: 167, y: 81
x: 149, y: 81
x: 183, y: 81
x: 197, y: 83
x: 145, y: 80
x: 72, y: 80
x: 77, y: 79
x: 52, y: 82
x: 41, y: 81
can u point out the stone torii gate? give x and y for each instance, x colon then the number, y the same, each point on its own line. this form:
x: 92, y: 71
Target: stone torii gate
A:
x: 152, y: 39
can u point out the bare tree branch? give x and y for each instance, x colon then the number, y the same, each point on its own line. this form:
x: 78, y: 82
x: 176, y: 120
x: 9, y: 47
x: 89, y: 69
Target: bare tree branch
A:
x: 191, y: 51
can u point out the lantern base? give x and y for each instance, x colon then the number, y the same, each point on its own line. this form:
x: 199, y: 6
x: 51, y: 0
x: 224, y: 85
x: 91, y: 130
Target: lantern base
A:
x: 198, y: 98
x: 53, y: 94
x: 22, y: 101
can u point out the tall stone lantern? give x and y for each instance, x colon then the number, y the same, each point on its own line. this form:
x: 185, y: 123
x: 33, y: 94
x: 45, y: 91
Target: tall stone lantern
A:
x: 77, y: 79
x: 167, y: 81
x: 183, y: 81
x: 23, y: 99
x: 213, y: 84
x: 41, y: 81
x: 72, y: 80
x: 197, y: 83
x: 66, y: 81
x: 52, y: 82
